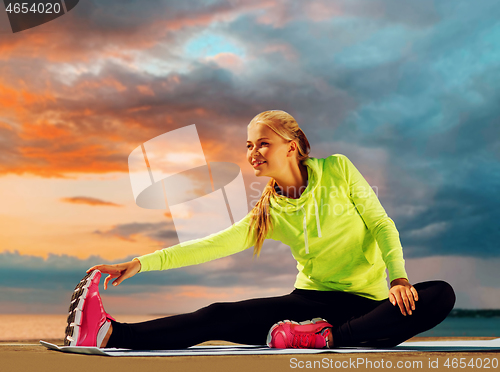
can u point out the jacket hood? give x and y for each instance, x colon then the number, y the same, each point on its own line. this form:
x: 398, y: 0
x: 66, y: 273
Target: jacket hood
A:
x: 288, y: 205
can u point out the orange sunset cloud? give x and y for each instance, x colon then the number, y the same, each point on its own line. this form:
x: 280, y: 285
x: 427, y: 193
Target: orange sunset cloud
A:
x: 89, y: 201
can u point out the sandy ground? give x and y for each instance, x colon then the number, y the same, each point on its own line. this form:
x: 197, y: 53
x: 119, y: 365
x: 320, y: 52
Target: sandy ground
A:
x: 31, y: 356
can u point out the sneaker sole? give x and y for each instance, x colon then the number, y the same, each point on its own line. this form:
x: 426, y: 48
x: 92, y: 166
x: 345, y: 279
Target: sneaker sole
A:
x: 76, y: 308
x: 312, y: 321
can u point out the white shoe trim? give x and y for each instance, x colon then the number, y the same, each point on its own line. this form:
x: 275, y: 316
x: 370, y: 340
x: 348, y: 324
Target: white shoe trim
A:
x: 78, y: 317
x: 74, y: 337
x: 102, y: 332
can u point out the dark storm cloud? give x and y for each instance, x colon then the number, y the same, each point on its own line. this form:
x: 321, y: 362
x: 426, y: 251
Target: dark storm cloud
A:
x: 62, y: 272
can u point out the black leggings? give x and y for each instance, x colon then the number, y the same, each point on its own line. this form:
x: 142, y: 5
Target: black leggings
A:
x: 356, y: 320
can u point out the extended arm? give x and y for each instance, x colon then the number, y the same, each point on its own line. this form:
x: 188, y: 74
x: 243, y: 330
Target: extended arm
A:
x: 221, y: 244
x: 224, y: 243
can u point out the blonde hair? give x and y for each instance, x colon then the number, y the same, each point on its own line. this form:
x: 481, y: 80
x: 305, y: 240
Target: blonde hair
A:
x: 283, y: 124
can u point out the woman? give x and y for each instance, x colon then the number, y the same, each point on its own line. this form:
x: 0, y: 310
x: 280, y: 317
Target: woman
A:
x: 339, y: 234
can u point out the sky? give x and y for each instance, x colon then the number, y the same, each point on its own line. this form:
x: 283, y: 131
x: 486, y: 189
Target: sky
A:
x: 407, y: 90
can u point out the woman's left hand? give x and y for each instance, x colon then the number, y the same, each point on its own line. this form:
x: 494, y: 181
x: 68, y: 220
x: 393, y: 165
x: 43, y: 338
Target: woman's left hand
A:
x: 403, y: 294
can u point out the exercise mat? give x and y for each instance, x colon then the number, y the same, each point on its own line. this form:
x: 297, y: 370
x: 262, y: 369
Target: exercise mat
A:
x: 455, y: 345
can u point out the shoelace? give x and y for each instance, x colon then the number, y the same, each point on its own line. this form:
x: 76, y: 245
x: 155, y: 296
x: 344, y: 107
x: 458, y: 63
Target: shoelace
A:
x: 301, y: 341
x: 305, y: 340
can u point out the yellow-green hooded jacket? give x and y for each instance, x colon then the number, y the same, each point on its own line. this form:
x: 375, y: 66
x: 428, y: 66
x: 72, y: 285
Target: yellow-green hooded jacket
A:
x: 338, y: 232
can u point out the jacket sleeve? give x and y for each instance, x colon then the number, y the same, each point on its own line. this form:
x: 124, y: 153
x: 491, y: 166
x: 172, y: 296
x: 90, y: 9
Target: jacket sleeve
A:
x: 375, y: 218
x: 224, y: 243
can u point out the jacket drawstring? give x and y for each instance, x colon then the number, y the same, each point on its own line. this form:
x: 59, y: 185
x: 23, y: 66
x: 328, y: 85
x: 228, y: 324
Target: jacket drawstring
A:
x: 305, y: 229
x: 317, y: 217
x: 294, y: 205
x: 305, y: 224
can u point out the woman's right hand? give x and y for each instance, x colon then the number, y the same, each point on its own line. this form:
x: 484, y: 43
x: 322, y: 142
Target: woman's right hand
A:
x: 120, y: 271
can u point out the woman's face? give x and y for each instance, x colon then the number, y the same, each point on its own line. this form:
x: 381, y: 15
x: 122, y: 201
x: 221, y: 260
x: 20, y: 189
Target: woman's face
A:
x: 264, y: 145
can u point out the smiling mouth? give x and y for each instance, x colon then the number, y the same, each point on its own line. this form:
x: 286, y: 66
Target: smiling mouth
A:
x: 255, y: 165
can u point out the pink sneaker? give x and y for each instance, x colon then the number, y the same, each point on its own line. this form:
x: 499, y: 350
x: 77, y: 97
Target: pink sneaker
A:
x: 311, y: 334
x: 88, y: 323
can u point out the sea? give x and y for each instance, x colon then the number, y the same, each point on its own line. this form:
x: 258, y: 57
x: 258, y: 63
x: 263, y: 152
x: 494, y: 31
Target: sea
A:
x: 467, y: 323
x: 34, y: 327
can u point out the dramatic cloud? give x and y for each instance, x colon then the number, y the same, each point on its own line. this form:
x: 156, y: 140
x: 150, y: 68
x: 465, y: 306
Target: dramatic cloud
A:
x: 31, y: 284
x: 275, y: 264
x: 408, y: 90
